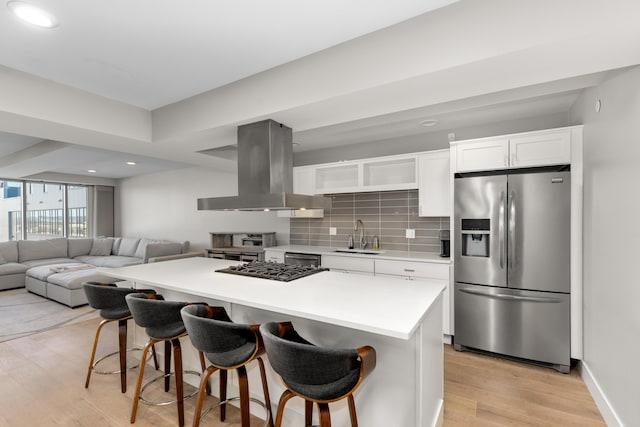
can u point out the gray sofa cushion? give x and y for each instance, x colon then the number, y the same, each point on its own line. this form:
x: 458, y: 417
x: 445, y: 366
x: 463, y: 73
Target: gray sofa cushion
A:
x: 29, y: 250
x: 12, y: 268
x: 161, y: 249
x: 9, y: 251
x: 75, y: 279
x: 2, y: 260
x: 110, y: 261
x: 42, y: 272
x: 128, y: 246
x: 101, y: 247
x: 116, y: 245
x: 48, y: 261
x: 142, y: 247
x: 77, y: 247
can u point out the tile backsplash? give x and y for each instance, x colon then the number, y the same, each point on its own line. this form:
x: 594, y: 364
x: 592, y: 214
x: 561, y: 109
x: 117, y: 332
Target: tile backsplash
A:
x: 386, y: 214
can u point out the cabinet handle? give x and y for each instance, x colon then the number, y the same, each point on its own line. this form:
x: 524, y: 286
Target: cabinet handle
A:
x: 409, y: 270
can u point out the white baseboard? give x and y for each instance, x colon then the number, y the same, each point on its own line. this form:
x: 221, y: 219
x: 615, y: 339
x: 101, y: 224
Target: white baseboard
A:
x: 607, y: 411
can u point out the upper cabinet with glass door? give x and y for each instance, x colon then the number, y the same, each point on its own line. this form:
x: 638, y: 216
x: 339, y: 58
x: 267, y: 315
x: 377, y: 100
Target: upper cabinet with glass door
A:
x: 374, y: 174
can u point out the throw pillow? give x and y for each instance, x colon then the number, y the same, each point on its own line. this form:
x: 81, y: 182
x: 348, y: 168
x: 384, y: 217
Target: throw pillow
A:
x: 128, y: 246
x: 2, y: 260
x: 101, y: 247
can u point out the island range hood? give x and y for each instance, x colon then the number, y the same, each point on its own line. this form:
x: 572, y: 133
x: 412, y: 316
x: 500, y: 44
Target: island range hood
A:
x: 265, y: 173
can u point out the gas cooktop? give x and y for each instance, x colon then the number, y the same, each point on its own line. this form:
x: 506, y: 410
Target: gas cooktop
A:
x: 272, y: 270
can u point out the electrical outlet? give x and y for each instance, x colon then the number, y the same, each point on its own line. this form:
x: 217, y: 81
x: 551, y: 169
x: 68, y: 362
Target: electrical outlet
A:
x: 410, y: 233
x: 333, y: 231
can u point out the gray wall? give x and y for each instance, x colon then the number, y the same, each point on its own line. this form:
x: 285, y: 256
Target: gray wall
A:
x: 612, y: 240
x: 163, y: 205
x: 384, y: 214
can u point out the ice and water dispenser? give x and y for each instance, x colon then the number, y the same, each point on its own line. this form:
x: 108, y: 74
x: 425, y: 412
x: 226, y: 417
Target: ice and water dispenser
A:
x: 475, y: 237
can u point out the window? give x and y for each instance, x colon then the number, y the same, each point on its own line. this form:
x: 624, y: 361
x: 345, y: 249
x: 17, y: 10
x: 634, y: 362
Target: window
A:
x: 77, y: 224
x: 44, y: 214
x: 47, y: 211
x: 10, y: 211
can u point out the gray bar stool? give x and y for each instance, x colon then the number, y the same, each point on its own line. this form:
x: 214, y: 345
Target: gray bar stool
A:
x: 228, y: 346
x: 319, y: 375
x: 163, y: 323
x: 110, y: 300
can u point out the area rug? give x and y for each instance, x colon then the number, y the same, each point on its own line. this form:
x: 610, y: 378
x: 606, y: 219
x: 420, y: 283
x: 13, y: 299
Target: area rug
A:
x: 23, y: 313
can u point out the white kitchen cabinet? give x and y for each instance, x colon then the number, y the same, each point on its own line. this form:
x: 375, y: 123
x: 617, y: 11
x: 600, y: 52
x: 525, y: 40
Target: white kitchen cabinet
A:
x: 434, y: 178
x: 304, y: 180
x: 417, y: 271
x: 337, y: 178
x: 487, y: 154
x: 348, y: 264
x: 389, y: 173
x: 374, y: 174
x: 548, y: 148
x: 540, y: 148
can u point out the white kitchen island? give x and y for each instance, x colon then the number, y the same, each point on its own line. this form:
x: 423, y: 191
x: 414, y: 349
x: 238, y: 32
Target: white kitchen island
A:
x: 401, y: 319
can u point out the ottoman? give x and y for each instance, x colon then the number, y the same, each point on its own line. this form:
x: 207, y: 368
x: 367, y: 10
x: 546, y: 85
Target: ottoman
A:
x: 66, y: 287
x: 63, y: 283
x: 36, y: 277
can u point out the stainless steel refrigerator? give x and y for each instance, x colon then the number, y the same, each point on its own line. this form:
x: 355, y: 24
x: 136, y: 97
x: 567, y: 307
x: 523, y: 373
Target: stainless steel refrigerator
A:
x: 512, y: 264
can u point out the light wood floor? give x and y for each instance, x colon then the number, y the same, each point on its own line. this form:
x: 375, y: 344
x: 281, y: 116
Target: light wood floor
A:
x: 42, y: 383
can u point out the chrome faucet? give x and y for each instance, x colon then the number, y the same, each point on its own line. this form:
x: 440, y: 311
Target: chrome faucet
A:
x: 363, y: 241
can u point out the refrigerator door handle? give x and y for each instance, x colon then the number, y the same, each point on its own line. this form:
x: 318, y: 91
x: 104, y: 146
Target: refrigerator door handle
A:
x: 510, y: 297
x: 511, y: 243
x: 501, y: 244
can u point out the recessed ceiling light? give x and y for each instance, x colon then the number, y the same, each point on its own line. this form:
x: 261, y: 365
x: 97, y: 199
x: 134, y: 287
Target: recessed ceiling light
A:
x: 429, y: 123
x: 131, y: 163
x: 92, y: 170
x: 32, y: 14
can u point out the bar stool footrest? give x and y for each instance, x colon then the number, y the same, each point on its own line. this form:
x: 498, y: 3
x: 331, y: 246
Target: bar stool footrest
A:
x: 106, y: 356
x: 166, y: 402
x: 233, y: 399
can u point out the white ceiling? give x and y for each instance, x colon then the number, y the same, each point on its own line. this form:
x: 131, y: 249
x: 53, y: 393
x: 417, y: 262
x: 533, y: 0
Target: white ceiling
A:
x: 150, y: 53
x: 465, y: 63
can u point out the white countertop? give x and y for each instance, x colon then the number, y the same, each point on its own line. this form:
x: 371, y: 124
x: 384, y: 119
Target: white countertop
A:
x: 382, y: 305
x: 383, y: 254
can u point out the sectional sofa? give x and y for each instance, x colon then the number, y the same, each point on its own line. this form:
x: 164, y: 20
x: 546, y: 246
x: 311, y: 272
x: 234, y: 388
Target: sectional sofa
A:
x: 56, y: 268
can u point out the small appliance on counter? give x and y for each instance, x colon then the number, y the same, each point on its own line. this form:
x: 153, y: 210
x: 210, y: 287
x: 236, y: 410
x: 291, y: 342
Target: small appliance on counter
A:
x: 444, y: 243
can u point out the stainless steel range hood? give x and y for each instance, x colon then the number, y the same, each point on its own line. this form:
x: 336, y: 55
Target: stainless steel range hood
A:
x: 265, y: 173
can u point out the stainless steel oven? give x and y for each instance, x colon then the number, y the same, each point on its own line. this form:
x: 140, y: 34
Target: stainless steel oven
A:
x: 302, y: 259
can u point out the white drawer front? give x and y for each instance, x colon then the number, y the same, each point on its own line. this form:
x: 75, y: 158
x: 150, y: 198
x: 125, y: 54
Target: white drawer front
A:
x: 430, y: 270
x: 348, y: 263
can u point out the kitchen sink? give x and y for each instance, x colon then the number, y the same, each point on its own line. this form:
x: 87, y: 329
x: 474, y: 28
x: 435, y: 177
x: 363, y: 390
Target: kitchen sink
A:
x: 359, y: 251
